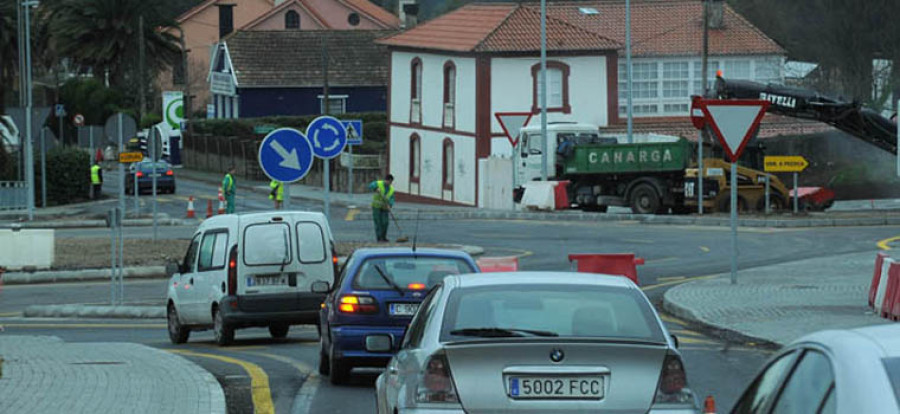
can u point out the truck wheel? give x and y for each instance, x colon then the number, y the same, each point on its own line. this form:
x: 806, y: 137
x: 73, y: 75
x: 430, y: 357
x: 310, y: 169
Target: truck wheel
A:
x: 644, y: 199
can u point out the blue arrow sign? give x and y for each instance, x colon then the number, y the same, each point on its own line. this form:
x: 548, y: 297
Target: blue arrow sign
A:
x: 354, y: 129
x: 328, y: 136
x: 285, y: 155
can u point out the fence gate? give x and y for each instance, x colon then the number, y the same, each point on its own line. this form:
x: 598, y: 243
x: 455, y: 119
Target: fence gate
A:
x: 13, y: 196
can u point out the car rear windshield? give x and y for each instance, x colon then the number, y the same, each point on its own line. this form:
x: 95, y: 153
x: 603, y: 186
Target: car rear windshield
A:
x: 408, y: 272
x: 159, y: 166
x: 892, y: 366
x: 267, y: 244
x: 550, y: 310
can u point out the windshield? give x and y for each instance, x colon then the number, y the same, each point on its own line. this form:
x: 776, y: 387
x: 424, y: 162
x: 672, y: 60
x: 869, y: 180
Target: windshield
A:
x: 408, y: 271
x: 549, y: 310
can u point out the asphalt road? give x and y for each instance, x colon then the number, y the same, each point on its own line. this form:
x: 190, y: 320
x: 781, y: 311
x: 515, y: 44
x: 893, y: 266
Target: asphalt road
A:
x: 716, y: 365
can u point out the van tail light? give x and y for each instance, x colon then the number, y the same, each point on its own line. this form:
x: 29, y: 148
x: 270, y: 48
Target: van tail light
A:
x: 232, y: 271
x: 673, y: 386
x: 139, y: 174
x: 436, y: 382
x: 358, y: 304
x: 170, y: 173
x: 334, y: 262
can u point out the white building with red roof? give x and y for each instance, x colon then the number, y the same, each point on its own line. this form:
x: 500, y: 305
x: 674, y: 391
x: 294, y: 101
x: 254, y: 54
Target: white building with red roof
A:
x: 450, y: 75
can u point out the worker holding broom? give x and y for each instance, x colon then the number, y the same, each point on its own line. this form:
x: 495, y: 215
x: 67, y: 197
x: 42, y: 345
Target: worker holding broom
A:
x: 382, y: 201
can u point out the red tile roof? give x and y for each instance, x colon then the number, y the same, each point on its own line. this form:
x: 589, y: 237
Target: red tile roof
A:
x: 659, y: 28
x: 772, y: 126
x: 388, y: 19
x: 668, y: 27
x: 498, y: 27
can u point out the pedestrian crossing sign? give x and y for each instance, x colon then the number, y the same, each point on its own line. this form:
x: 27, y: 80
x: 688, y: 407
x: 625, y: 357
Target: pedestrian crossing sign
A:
x: 354, y: 129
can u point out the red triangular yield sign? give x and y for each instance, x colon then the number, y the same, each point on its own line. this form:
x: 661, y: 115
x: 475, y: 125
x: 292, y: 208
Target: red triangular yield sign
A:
x: 512, y: 123
x: 734, y: 121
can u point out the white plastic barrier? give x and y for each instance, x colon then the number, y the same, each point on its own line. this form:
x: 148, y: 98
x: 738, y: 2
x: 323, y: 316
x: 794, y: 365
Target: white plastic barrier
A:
x: 26, y: 247
x: 882, y: 284
x: 539, y: 195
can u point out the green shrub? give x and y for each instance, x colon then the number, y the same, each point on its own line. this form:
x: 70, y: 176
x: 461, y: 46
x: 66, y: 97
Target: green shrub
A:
x: 68, y: 176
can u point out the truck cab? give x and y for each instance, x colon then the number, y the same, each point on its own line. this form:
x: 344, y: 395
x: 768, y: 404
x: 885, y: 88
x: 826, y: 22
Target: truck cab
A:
x: 527, y: 156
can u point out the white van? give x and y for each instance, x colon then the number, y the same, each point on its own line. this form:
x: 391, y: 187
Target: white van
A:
x: 268, y: 269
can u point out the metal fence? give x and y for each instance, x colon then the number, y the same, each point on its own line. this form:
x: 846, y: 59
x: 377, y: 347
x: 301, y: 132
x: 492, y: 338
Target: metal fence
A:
x: 13, y: 196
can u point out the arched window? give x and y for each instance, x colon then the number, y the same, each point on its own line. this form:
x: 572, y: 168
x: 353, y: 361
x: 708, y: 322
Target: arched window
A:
x: 557, y: 87
x: 448, y: 159
x: 291, y: 20
x: 415, y: 91
x: 449, y: 93
x: 415, y: 158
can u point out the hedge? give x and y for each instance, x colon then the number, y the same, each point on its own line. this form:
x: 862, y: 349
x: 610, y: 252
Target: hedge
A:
x: 68, y: 176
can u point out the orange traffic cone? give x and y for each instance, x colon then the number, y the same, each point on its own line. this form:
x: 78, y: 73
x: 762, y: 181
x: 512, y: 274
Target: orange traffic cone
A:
x: 221, y: 202
x: 209, y: 211
x: 709, y: 406
x: 190, y: 210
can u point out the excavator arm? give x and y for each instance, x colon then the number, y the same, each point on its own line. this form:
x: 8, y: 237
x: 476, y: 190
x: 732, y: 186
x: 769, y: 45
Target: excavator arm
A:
x: 850, y: 117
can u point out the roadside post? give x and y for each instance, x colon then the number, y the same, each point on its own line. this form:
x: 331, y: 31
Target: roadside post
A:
x: 285, y: 155
x: 734, y: 122
x: 786, y: 163
x: 354, y: 129
x: 114, y: 222
x: 118, y: 126
x: 512, y: 124
x: 61, y: 114
x: 329, y: 137
x: 768, y: 207
x: 155, y: 144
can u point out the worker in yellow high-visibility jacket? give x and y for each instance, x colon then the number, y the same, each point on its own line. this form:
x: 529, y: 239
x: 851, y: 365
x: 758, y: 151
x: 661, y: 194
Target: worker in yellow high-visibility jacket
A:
x: 96, y: 181
x: 277, y: 193
x: 382, y: 201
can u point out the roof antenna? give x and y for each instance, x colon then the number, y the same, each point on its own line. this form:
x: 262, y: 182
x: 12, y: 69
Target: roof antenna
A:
x: 416, y: 234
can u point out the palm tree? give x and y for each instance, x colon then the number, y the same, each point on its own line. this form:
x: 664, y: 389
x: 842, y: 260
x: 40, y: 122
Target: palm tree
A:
x: 9, y: 56
x: 102, y: 36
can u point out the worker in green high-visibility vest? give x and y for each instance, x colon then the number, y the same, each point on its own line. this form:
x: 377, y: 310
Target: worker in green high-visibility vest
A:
x: 228, y: 190
x: 382, y: 201
x: 96, y: 181
x: 277, y: 193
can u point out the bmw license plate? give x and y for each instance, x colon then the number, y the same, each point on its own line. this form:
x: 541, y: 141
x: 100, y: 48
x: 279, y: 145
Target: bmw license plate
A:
x: 404, y: 309
x: 555, y: 387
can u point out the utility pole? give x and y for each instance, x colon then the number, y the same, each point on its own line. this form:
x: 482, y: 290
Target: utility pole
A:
x: 29, y: 103
x: 704, y: 63
x: 187, y: 102
x: 544, y: 90
x: 326, y: 108
x: 628, y: 71
x: 142, y: 87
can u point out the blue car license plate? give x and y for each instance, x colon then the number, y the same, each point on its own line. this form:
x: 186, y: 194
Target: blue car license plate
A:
x: 404, y: 309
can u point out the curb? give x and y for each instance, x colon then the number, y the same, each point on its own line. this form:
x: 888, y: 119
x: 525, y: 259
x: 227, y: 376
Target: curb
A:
x: 95, y: 311
x: 683, y: 312
x: 265, y: 191
x: 86, y: 275
x: 74, y: 224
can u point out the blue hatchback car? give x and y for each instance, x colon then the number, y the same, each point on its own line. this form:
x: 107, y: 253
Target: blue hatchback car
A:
x: 375, y: 297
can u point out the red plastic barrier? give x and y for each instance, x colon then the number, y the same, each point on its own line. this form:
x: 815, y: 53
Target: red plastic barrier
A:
x: 498, y: 264
x: 876, y: 278
x: 624, y: 264
x: 893, y: 312
x: 890, y: 292
x: 561, y: 195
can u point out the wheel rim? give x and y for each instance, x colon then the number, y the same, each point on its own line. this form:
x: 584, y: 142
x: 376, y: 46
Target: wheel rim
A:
x: 217, y: 325
x: 173, y: 321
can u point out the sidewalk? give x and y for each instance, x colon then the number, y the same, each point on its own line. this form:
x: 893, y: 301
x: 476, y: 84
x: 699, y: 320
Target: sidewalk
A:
x: 43, y: 374
x: 780, y: 303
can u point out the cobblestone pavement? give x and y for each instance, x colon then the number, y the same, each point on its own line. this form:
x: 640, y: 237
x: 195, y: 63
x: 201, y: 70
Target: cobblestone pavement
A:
x: 43, y: 374
x: 783, y: 302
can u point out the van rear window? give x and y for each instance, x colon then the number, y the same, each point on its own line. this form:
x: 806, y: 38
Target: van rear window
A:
x: 310, y: 242
x: 267, y: 244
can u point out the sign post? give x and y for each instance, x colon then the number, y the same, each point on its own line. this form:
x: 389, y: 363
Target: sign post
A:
x: 329, y: 137
x: 285, y: 155
x: 786, y: 163
x: 354, y: 137
x: 734, y: 122
x: 512, y: 124
x: 119, y: 125
x: 61, y: 113
x: 155, y: 145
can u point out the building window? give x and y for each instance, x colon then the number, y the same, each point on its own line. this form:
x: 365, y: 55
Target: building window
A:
x: 557, y: 87
x: 337, y: 104
x: 644, y: 80
x: 447, y: 173
x: 449, y: 94
x: 768, y: 70
x: 353, y: 19
x: 675, y: 79
x: 291, y: 20
x: 415, y: 158
x: 711, y: 67
x: 415, y: 92
x: 737, y: 69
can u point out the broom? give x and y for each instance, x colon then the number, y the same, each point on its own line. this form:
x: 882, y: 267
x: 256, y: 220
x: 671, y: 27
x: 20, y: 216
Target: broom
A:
x: 402, y: 238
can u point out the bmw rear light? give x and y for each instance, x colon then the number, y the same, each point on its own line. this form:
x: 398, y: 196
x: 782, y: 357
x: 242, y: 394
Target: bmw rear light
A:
x: 435, y: 382
x: 673, y: 386
x: 139, y: 174
x: 170, y: 173
x: 358, y: 304
x: 232, y: 271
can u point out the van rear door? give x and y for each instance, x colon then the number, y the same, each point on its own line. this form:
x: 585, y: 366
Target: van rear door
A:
x: 266, y: 263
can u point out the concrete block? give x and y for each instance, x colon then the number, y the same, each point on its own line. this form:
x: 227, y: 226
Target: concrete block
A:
x: 26, y: 247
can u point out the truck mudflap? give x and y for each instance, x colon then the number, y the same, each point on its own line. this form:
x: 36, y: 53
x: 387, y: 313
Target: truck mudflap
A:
x: 710, y: 188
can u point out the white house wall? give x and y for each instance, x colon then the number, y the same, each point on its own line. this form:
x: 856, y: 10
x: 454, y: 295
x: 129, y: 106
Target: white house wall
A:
x: 511, y: 91
x: 431, y: 173
x: 433, y: 89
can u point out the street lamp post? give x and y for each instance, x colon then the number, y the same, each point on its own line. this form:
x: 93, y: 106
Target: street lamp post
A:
x: 544, y: 90
x: 29, y: 103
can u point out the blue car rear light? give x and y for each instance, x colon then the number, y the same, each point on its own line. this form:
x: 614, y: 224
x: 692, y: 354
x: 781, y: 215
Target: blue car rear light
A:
x: 358, y: 304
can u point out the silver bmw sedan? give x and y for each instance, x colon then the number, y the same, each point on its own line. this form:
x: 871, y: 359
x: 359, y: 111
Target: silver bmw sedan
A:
x: 539, y: 342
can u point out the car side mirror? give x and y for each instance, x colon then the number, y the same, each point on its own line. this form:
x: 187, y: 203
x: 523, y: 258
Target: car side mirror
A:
x: 172, y: 268
x: 675, y: 340
x: 320, y: 287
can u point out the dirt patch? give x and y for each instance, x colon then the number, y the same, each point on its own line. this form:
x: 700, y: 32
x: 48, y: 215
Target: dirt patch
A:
x: 93, y: 253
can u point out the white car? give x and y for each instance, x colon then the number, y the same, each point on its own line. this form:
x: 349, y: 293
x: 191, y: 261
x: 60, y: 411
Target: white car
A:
x: 252, y: 270
x: 536, y: 342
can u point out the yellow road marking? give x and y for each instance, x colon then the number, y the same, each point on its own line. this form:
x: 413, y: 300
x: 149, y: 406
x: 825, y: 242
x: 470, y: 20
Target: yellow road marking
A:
x: 666, y: 279
x: 884, y: 244
x: 85, y: 325
x: 299, y: 365
x: 705, y: 249
x: 521, y: 253
x: 638, y: 241
x: 231, y: 348
x: 687, y: 332
x: 675, y: 282
x: 10, y: 314
x: 259, y: 381
x: 686, y: 340
x: 79, y: 284
x: 661, y: 259
x: 671, y: 319
x: 351, y: 214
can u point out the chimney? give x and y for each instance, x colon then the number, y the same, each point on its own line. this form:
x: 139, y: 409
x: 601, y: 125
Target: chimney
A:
x: 716, y: 14
x: 226, y: 19
x: 409, y: 13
